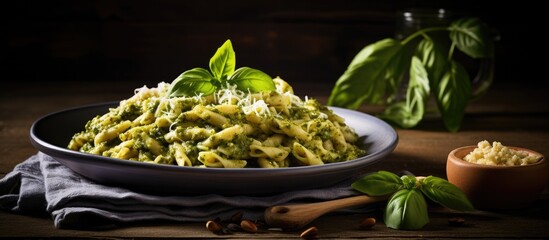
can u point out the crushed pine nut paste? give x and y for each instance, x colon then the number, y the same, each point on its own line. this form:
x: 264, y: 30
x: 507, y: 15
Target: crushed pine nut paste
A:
x: 498, y: 154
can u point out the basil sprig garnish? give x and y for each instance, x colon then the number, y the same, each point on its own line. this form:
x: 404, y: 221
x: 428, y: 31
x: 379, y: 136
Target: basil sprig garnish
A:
x: 377, y: 71
x: 407, y: 208
x: 199, y: 81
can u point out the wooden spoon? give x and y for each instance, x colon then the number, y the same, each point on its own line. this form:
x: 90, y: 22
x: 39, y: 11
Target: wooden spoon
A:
x: 296, y: 216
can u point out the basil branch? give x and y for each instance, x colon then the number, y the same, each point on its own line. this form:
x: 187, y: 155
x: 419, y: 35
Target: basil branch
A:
x: 376, y: 73
x: 199, y: 81
x: 423, y: 32
x: 407, y: 208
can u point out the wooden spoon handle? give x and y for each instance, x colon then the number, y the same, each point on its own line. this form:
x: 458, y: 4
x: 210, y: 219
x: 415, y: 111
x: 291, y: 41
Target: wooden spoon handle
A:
x: 295, y: 216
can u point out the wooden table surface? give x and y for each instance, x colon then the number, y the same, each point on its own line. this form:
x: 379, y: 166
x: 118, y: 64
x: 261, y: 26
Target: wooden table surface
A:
x: 513, y: 114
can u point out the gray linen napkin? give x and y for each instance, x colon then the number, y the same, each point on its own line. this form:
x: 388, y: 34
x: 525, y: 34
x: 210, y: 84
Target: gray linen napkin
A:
x: 41, y: 185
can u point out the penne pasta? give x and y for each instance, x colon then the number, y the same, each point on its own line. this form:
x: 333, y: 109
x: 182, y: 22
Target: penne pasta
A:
x: 228, y: 129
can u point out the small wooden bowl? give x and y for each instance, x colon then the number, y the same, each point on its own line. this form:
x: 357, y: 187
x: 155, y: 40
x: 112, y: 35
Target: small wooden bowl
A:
x: 497, y: 187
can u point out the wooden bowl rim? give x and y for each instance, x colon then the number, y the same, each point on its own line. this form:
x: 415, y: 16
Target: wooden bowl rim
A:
x: 459, y: 160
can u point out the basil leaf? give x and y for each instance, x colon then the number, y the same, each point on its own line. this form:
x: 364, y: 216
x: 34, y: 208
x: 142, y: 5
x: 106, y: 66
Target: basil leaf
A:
x: 366, y: 76
x: 433, y: 59
x: 472, y: 37
x: 445, y: 194
x: 409, y: 114
x: 407, y: 210
x: 223, y: 62
x: 453, y: 94
x: 418, y: 90
x: 378, y: 184
x: 397, y: 69
x: 192, y: 82
x: 398, y: 113
x: 253, y: 80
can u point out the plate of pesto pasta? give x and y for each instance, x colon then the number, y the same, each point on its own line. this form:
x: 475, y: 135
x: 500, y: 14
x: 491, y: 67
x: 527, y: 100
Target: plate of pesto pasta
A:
x: 230, y: 142
x: 222, y: 130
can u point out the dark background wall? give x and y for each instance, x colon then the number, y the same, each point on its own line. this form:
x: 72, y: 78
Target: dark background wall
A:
x: 152, y: 41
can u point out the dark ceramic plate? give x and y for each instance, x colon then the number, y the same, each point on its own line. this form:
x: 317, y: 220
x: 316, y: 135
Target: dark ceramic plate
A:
x: 51, y: 134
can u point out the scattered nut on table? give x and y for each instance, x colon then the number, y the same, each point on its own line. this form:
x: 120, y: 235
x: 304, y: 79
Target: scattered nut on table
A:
x: 213, y: 226
x: 367, y: 223
x: 248, y: 226
x: 309, y: 233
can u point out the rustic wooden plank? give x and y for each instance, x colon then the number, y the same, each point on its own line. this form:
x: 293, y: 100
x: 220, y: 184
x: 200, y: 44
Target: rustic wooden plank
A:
x: 110, y: 40
x: 240, y: 10
x: 529, y: 223
x: 153, y: 52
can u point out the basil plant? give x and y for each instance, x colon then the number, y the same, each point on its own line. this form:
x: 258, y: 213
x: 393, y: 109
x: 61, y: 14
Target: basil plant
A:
x: 376, y: 73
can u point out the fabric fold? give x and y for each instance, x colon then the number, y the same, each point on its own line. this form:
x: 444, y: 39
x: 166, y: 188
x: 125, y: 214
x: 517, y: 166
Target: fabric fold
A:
x: 42, y: 185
